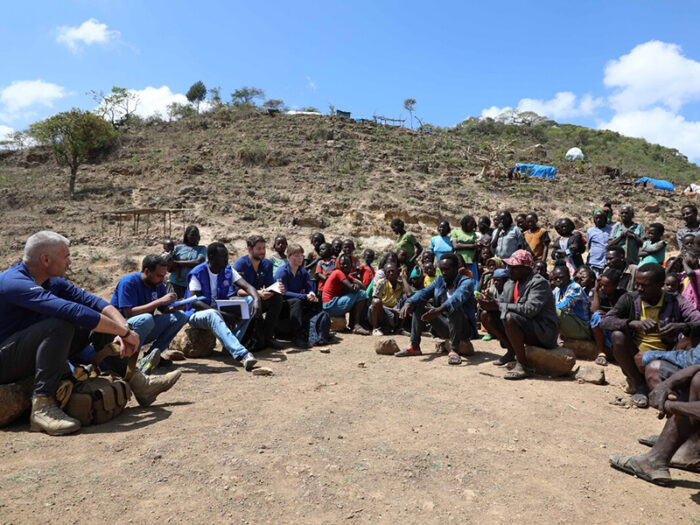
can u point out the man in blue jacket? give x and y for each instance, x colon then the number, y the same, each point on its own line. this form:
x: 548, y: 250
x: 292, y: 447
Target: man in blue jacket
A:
x: 141, y: 297
x: 452, y: 314
x: 45, y: 319
x: 212, y: 280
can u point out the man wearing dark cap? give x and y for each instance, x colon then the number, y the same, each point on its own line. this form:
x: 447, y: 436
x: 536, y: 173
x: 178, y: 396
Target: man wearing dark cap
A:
x: 524, y: 314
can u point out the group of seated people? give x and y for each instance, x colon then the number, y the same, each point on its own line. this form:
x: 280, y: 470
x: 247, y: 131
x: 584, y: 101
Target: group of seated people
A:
x: 639, y: 309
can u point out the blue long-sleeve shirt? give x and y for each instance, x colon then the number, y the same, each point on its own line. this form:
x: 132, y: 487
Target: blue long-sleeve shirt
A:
x: 24, y: 303
x: 462, y: 297
x: 298, y: 285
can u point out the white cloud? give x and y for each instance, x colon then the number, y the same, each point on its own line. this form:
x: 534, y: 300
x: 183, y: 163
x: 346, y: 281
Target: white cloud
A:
x: 653, y: 73
x: 563, y: 105
x: 5, y: 132
x: 88, y: 33
x: 660, y: 126
x: 23, y: 94
x: 152, y: 101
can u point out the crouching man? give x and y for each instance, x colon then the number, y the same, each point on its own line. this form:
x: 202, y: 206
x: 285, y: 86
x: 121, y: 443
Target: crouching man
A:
x: 214, y: 280
x: 46, y: 320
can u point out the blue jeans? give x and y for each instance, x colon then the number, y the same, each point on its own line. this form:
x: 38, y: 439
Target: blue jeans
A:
x: 339, y: 306
x: 213, y: 320
x: 158, y: 329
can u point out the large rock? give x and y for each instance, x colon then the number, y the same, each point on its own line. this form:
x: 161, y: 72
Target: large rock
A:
x: 338, y: 324
x: 194, y: 342
x: 582, y: 348
x: 590, y: 374
x: 557, y: 362
x: 386, y: 346
x: 15, y: 399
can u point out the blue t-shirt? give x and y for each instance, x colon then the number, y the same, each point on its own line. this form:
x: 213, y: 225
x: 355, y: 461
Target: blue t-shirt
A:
x: 132, y: 291
x: 260, y: 279
x: 440, y: 245
x: 24, y: 303
x: 298, y: 285
x: 597, y: 239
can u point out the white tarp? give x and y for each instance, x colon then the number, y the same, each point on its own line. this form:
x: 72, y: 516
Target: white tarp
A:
x: 574, y: 154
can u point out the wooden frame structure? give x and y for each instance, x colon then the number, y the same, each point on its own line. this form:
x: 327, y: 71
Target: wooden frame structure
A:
x: 135, y: 215
x: 387, y: 120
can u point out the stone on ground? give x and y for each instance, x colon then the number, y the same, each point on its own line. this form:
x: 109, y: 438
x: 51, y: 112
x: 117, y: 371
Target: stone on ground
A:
x: 264, y: 371
x: 590, y: 374
x: 465, y: 349
x: 556, y: 362
x: 194, y: 342
x: 15, y: 399
x: 338, y: 324
x: 386, y: 346
x: 583, y: 348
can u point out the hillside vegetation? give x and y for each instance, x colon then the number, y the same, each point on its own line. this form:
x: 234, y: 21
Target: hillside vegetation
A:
x: 241, y: 171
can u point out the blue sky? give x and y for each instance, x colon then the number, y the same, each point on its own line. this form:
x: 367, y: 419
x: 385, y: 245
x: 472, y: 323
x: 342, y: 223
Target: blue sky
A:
x: 629, y: 66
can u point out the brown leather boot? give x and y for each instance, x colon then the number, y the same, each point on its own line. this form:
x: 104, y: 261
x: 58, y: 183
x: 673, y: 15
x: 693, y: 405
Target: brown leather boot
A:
x: 47, y: 416
x: 147, y: 388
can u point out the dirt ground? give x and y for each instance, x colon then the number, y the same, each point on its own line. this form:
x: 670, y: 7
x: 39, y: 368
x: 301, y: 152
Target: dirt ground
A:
x: 348, y: 435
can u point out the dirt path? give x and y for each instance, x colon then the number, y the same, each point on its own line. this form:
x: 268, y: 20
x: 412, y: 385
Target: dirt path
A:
x: 324, y: 441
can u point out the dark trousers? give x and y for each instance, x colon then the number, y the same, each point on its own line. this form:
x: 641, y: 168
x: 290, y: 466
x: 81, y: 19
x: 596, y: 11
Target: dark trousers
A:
x: 456, y: 326
x: 271, y: 308
x: 300, y: 311
x: 42, y: 350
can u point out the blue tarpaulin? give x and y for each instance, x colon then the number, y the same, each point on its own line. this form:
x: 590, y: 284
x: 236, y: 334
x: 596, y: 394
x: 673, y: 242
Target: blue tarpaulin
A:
x: 658, y: 184
x: 537, y: 170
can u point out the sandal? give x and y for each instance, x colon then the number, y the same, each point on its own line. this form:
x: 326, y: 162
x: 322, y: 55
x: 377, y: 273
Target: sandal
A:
x: 516, y: 373
x: 649, y: 441
x: 453, y: 358
x: 407, y: 352
x: 631, y: 466
x: 640, y: 400
x: 504, y: 360
x: 358, y: 330
x: 601, y: 360
x: 487, y: 337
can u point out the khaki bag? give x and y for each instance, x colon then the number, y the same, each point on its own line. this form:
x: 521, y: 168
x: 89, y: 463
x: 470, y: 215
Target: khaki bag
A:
x: 96, y: 397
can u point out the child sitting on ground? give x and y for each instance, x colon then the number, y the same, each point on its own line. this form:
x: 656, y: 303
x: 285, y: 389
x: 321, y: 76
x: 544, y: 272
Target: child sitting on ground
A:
x: 672, y: 284
x: 654, y: 248
x: 606, y: 293
x: 540, y: 267
x: 278, y: 257
x: 168, y: 248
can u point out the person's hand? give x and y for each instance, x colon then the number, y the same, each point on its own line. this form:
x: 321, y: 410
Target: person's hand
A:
x: 488, y: 303
x: 256, y: 308
x: 597, y: 283
x: 311, y: 297
x: 672, y: 329
x: 282, y: 288
x: 355, y: 287
x: 167, y: 299
x: 128, y: 345
x: 264, y: 295
x: 668, y: 407
x: 430, y: 314
x: 658, y: 396
x: 647, y: 325
x: 405, y: 311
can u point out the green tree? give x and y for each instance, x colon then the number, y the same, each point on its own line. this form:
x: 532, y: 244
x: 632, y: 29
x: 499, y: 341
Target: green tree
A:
x: 74, y: 135
x: 177, y: 111
x: 215, y: 98
x: 246, y: 96
x: 196, y: 93
x: 117, y: 107
x: 275, y: 103
x: 409, y: 105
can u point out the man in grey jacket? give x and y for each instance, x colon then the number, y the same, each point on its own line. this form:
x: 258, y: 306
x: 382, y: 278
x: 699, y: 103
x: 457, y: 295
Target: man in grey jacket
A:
x: 524, y: 314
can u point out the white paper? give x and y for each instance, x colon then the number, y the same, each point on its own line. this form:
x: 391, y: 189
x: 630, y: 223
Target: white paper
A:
x: 235, y: 301
x: 274, y: 288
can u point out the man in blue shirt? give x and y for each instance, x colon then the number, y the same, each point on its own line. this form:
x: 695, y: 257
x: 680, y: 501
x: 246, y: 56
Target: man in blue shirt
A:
x: 213, y: 281
x: 257, y: 270
x: 452, y: 315
x: 138, y: 297
x: 597, y: 237
x: 46, y: 319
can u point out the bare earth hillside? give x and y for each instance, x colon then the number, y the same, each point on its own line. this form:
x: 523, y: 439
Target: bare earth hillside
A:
x: 348, y: 436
